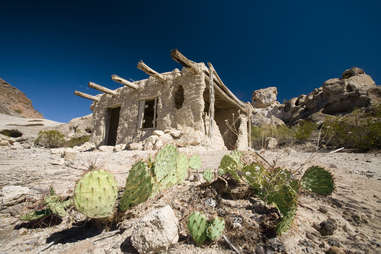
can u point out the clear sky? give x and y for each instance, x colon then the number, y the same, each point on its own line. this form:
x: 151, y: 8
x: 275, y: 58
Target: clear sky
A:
x: 48, y: 49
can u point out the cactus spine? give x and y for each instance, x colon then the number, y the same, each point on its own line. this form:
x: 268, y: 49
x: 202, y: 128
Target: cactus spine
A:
x: 95, y: 194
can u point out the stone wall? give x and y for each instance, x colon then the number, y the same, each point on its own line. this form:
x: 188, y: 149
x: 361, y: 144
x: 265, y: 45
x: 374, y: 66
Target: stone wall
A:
x: 189, y: 118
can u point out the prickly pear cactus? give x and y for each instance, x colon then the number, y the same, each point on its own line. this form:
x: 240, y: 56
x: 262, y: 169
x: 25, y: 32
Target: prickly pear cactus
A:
x: 36, y: 215
x: 165, y: 162
x: 318, y: 180
x: 95, y: 194
x: 230, y: 166
x: 215, y: 229
x: 197, y: 225
x: 286, y: 200
x: 138, y: 186
x: 182, y: 167
x: 208, y: 175
x: 195, y: 162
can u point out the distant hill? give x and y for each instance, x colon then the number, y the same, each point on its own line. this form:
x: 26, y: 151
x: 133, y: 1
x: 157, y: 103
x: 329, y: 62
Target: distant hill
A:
x: 14, y: 102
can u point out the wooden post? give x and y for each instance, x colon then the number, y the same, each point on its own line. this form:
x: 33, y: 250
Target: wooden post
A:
x: 102, y: 88
x: 86, y: 96
x: 249, y: 116
x: 123, y: 81
x: 211, y: 101
x: 181, y: 59
x: 142, y: 66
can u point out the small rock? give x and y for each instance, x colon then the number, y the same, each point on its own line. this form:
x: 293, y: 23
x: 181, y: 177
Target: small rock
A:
x: 60, y: 161
x: 88, y: 146
x: 155, y: 231
x: 323, y: 209
x: 135, y: 146
x: 119, y: 147
x: 13, y: 194
x: 166, y: 139
x: 259, y: 250
x: 175, y: 133
x: 158, y: 145
x: 158, y: 133
x: 327, y: 227
x: 69, y: 156
x: 271, y: 143
x: 106, y: 148
x: 335, y: 250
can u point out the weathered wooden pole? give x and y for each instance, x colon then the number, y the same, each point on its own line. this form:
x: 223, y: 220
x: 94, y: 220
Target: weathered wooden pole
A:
x: 123, y: 81
x: 142, y: 66
x: 181, y: 59
x: 86, y: 96
x: 211, y: 100
x: 102, y: 88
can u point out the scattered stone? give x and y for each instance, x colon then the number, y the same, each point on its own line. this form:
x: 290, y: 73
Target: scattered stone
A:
x: 259, y: 250
x: 158, y: 133
x: 59, y: 161
x: 323, y: 209
x: 88, y: 146
x: 156, y: 231
x: 335, y: 250
x: 327, y: 227
x: 13, y: 194
x: 271, y: 143
x: 135, y: 146
x: 175, y: 133
x: 119, y: 147
x: 106, y: 148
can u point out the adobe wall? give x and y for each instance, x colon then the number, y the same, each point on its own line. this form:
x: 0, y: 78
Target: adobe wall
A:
x: 189, y: 119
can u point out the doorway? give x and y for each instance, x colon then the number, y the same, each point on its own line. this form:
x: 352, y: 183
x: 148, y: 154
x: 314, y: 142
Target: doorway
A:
x: 113, y: 122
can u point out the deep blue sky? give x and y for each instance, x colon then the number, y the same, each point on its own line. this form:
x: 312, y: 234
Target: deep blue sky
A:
x: 48, y: 49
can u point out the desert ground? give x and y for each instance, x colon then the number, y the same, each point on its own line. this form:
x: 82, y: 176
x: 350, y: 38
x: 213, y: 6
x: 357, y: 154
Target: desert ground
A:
x: 355, y: 205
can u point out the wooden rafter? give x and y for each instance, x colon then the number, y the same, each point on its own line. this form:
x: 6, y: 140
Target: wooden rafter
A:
x: 102, y: 88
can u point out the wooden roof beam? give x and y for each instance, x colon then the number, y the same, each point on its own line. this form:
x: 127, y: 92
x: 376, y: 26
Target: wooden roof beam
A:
x: 181, y: 59
x: 86, y: 96
x: 123, y: 81
x: 142, y: 66
x: 102, y: 88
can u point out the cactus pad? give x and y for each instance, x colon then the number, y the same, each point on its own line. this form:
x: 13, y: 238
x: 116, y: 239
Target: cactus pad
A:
x: 230, y: 166
x: 318, y: 180
x: 286, y: 200
x: 208, y: 175
x: 138, y: 186
x: 165, y: 162
x: 215, y: 229
x: 182, y: 167
x: 95, y: 194
x: 197, y: 225
x: 195, y: 162
x: 36, y: 215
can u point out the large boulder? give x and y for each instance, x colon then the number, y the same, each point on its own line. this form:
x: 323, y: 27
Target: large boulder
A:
x: 263, y: 98
x: 156, y: 231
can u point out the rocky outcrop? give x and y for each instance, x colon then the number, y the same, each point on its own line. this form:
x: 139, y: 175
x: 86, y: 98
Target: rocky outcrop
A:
x: 77, y: 127
x: 14, y: 102
x: 266, y: 107
x: 337, y: 95
x: 263, y: 98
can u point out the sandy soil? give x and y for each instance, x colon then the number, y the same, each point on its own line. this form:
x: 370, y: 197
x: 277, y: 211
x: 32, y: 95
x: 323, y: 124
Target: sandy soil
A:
x: 355, y: 205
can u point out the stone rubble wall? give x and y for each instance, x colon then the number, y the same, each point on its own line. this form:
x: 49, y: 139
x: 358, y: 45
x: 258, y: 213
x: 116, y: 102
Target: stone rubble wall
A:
x: 190, y: 119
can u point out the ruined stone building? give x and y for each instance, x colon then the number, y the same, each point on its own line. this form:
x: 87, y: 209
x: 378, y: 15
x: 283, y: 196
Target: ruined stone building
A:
x: 187, y: 107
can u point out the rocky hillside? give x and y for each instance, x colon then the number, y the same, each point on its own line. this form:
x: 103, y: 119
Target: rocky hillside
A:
x: 14, y: 102
x: 337, y: 96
